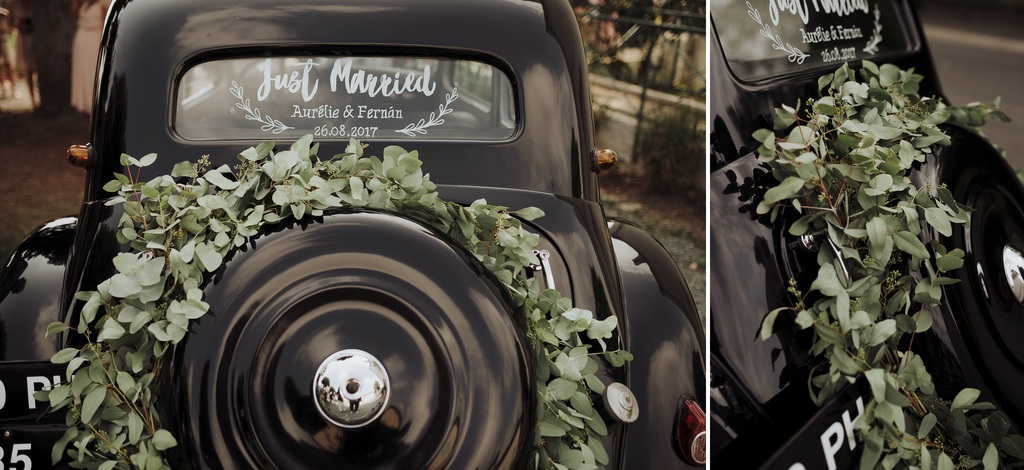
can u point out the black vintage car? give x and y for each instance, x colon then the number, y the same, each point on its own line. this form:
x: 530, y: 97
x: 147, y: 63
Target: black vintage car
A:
x: 494, y: 96
x: 765, y: 54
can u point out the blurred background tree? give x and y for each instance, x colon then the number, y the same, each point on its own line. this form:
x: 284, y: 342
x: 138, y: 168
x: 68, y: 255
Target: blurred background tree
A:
x: 52, y: 28
x: 648, y: 68
x: 646, y: 40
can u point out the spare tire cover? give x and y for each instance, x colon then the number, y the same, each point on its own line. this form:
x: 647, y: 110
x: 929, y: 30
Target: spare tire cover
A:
x: 984, y: 302
x: 462, y: 393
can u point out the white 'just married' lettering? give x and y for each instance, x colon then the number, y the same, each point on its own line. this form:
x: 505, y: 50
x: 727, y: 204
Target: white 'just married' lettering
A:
x: 842, y: 7
x: 800, y: 8
x: 293, y: 82
x: 793, y: 7
x: 383, y: 84
x: 358, y: 81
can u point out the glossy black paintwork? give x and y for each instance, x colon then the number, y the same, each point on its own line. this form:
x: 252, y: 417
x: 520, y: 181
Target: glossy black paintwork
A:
x: 236, y: 392
x: 457, y: 358
x: 659, y: 330
x: 759, y: 398
x: 29, y: 301
x: 30, y: 292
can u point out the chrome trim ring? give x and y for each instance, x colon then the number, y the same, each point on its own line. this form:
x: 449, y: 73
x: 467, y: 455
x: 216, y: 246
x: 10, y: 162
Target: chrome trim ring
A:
x: 351, y: 388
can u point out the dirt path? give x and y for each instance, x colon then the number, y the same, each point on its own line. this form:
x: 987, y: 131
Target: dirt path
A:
x: 675, y: 220
x: 38, y: 183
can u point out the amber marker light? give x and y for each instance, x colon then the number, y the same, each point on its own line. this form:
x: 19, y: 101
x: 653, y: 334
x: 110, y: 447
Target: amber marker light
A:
x: 606, y: 159
x: 78, y: 155
x: 691, y: 431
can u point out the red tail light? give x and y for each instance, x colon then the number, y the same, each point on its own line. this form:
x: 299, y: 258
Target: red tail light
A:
x: 691, y: 431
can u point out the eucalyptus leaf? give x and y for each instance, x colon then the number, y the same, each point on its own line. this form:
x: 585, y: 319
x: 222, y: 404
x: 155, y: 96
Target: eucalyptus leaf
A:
x: 785, y: 190
x: 163, y: 440
x: 882, y: 331
x: 950, y: 262
x: 945, y: 462
x: 64, y: 355
x: 529, y: 213
x: 877, y: 235
x: 844, y: 362
x: 830, y: 335
x: 827, y: 281
x: 966, y: 397
x: 217, y: 178
x: 92, y: 403
x: 938, y: 219
x: 909, y: 243
x: 991, y: 459
x: 872, y: 129
x: 581, y: 402
x: 57, y: 452
x: 924, y: 321
x: 208, y: 257
x: 547, y: 429
x: 112, y: 330
x: 602, y: 329
x: 768, y: 323
x: 569, y: 371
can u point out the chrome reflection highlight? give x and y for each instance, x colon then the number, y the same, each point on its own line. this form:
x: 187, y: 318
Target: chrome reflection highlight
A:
x: 1013, y: 268
x: 981, y: 279
x: 351, y: 388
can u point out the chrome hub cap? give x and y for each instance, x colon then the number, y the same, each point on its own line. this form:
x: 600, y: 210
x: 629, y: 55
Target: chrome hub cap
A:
x: 1013, y: 268
x: 351, y: 388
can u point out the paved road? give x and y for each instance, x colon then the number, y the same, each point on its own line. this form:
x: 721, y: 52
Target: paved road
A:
x: 979, y: 53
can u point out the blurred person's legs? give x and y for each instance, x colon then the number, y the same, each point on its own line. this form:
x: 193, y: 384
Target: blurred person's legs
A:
x: 6, y: 71
x: 27, y: 63
x: 6, y: 75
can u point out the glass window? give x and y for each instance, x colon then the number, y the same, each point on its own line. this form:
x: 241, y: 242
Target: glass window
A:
x: 344, y: 97
x: 767, y: 38
x: 476, y: 81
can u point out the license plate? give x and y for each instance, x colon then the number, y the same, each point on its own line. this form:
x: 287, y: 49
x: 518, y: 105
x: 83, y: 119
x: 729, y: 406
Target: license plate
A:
x: 18, y: 383
x: 827, y: 441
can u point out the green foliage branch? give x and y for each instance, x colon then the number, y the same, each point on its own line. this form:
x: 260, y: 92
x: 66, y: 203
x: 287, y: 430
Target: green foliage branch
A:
x: 842, y: 164
x: 181, y: 227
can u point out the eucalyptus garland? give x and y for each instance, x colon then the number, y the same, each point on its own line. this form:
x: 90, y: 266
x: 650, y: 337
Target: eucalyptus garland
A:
x: 842, y: 164
x: 180, y: 229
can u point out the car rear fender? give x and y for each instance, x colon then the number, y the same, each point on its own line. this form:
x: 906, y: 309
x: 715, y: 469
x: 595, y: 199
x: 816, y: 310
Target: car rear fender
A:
x: 665, y: 336
x: 30, y: 285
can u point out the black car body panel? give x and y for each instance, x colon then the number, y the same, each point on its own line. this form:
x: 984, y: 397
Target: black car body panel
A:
x: 29, y: 291
x: 237, y: 395
x: 30, y: 287
x: 659, y: 329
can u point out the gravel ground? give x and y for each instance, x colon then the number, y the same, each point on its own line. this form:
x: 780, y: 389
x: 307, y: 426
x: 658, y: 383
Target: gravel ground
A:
x: 678, y: 221
x: 39, y: 184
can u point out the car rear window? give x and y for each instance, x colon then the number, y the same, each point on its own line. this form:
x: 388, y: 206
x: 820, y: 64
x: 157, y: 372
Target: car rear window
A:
x: 344, y: 97
x: 767, y: 38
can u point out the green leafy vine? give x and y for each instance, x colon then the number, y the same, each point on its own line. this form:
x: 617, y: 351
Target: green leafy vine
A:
x: 842, y: 165
x: 181, y: 227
